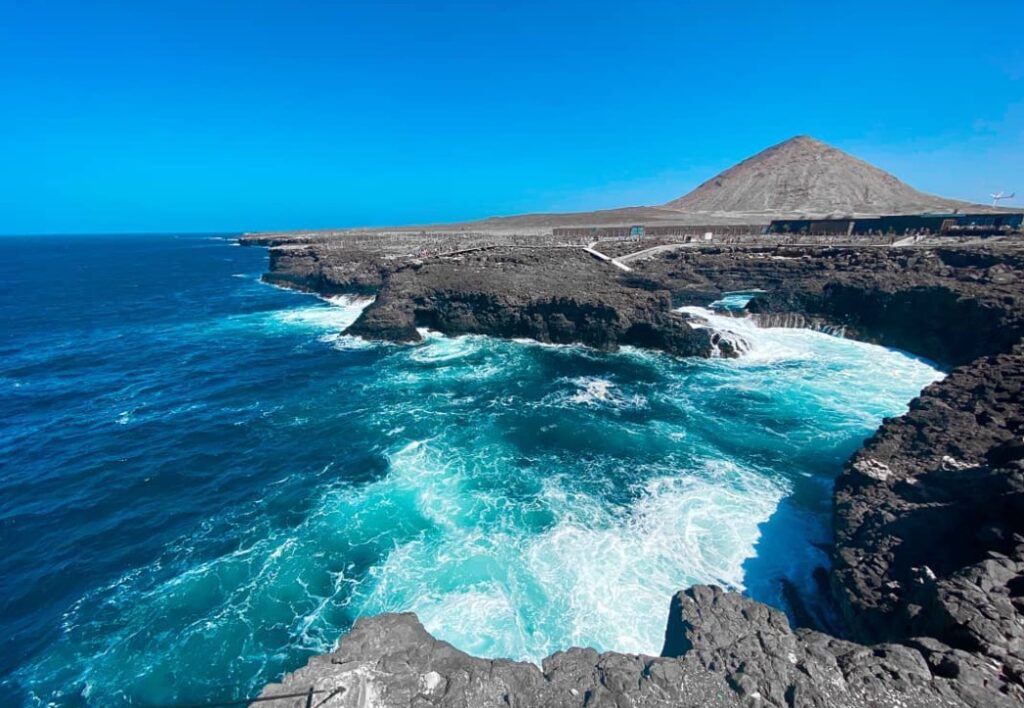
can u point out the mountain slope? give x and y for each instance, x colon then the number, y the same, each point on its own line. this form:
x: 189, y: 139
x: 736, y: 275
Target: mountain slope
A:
x: 804, y: 175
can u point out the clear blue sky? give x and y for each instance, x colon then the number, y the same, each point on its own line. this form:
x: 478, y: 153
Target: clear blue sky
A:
x: 160, y: 116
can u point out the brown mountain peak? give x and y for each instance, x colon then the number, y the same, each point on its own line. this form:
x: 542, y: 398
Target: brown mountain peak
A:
x: 808, y: 176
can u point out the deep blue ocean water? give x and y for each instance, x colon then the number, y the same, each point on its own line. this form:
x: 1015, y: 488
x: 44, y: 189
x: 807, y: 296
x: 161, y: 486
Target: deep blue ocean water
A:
x: 202, y: 482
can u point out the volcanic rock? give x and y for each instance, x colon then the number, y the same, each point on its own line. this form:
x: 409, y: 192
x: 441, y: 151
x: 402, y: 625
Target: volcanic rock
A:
x: 721, y: 650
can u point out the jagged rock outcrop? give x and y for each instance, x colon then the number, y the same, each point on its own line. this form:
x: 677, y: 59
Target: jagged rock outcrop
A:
x: 561, y: 296
x: 325, y: 269
x: 721, y: 650
x: 929, y: 519
x: 951, y: 305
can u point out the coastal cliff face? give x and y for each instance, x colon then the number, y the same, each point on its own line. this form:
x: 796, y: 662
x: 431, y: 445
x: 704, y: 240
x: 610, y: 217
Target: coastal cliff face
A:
x: 946, y: 304
x: 318, y: 268
x: 560, y: 296
x: 929, y: 514
x: 951, y: 305
x: 552, y: 295
x: 929, y: 519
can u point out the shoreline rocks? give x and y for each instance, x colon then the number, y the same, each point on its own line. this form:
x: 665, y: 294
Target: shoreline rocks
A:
x: 721, y: 650
x: 929, y: 519
x: 560, y: 296
x: 928, y: 559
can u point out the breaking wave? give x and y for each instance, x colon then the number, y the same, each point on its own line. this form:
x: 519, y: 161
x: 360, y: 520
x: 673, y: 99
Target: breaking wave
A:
x: 221, y: 499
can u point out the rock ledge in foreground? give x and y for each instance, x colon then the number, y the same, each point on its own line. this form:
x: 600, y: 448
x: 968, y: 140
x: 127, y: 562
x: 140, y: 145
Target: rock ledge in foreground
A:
x: 731, y: 650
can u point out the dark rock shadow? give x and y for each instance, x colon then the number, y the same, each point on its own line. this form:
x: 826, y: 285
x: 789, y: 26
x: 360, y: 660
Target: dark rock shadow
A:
x: 789, y: 568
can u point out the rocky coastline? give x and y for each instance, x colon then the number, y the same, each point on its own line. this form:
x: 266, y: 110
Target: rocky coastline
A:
x: 928, y: 556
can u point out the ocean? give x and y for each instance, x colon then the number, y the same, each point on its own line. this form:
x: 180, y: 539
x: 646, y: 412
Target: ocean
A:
x: 204, y: 481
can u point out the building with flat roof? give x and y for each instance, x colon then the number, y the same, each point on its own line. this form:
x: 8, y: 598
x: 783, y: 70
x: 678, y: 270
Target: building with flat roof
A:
x: 950, y: 224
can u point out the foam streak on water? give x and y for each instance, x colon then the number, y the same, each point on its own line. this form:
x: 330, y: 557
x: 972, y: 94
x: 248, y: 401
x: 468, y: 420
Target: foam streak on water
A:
x: 210, y: 484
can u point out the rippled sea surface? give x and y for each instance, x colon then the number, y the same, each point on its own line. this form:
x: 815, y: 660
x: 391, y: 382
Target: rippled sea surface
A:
x: 203, y: 483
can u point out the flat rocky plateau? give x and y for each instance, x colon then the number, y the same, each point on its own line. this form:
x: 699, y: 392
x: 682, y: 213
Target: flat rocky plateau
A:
x: 928, y: 556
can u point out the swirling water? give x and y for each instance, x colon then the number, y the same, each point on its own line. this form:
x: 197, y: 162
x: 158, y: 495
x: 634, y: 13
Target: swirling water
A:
x: 204, y: 483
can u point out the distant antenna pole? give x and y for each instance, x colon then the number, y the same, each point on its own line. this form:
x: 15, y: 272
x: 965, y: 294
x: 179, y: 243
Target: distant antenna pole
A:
x: 996, y: 198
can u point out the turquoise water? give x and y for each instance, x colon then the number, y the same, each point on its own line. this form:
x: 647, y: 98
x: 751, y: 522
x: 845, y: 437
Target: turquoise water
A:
x: 204, y: 482
x: 735, y: 301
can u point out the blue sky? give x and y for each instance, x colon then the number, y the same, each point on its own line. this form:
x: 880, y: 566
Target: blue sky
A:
x: 161, y: 116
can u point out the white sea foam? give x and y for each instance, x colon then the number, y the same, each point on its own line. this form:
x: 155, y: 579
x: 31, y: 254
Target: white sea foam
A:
x: 765, y: 344
x: 593, y: 391
x: 348, y: 342
x: 735, y: 300
x: 344, y: 311
x: 615, y: 572
x: 438, y: 348
x: 516, y: 517
x: 828, y: 357
x: 599, y: 576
